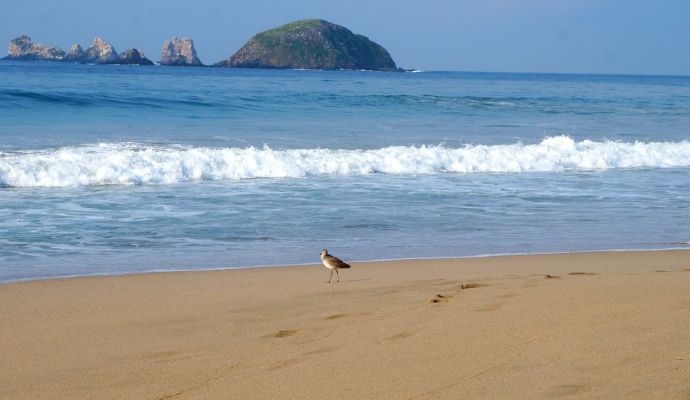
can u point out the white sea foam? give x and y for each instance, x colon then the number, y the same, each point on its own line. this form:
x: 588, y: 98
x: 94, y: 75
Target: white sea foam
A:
x: 133, y: 164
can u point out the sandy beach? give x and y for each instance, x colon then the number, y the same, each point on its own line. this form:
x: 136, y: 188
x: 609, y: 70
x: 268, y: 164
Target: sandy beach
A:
x: 611, y: 325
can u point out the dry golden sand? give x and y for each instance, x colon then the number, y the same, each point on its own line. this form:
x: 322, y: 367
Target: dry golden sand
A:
x: 602, y: 325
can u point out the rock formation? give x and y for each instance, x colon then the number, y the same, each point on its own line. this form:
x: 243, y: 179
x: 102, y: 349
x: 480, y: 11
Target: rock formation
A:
x: 311, y: 44
x: 75, y: 54
x: 179, y: 52
x: 22, y: 48
x: 101, y: 52
x: 134, y: 57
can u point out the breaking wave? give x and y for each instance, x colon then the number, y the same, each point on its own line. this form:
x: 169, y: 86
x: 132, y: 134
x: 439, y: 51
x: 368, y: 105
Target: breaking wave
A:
x: 138, y: 164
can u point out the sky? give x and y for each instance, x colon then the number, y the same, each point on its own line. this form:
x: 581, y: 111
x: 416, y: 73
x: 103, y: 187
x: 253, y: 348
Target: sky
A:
x: 562, y: 36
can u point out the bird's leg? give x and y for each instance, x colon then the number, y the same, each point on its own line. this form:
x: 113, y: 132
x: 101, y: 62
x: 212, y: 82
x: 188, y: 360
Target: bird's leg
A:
x: 329, y: 278
x: 337, y: 273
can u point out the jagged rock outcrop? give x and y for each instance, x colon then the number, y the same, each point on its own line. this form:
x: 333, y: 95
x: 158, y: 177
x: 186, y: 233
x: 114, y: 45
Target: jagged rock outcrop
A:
x: 75, y: 54
x: 179, y: 52
x: 22, y: 48
x: 134, y: 57
x: 311, y: 44
x: 101, y: 52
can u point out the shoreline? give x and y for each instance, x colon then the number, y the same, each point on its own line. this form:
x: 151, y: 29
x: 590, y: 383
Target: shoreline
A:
x: 586, y: 325
x: 375, y: 261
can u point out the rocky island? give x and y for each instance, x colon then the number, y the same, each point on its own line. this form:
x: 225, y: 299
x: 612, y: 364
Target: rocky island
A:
x: 22, y: 48
x: 100, y: 52
x: 134, y: 57
x: 75, y: 54
x: 311, y: 44
x: 179, y: 52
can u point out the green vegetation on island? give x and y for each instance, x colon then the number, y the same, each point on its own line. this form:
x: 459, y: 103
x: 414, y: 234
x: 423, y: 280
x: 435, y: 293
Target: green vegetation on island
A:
x: 311, y: 44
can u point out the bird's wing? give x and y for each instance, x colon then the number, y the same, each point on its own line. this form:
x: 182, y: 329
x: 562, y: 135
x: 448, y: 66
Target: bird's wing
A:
x: 338, y: 262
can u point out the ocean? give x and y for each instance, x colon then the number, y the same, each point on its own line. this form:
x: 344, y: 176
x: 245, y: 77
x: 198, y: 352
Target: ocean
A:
x: 123, y: 169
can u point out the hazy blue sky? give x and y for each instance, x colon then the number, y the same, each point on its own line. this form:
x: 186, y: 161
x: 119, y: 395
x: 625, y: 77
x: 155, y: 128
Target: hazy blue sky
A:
x: 614, y: 36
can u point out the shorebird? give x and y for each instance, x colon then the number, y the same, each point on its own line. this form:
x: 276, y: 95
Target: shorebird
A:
x: 332, y: 263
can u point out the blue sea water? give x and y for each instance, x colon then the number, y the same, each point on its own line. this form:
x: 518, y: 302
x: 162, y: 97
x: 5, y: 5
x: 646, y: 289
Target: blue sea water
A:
x: 119, y: 169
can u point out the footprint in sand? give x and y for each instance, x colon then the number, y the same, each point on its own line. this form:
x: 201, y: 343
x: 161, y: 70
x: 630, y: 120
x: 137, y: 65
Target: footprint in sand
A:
x: 439, y: 298
x: 354, y: 315
x: 285, y: 333
x: 469, y: 285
